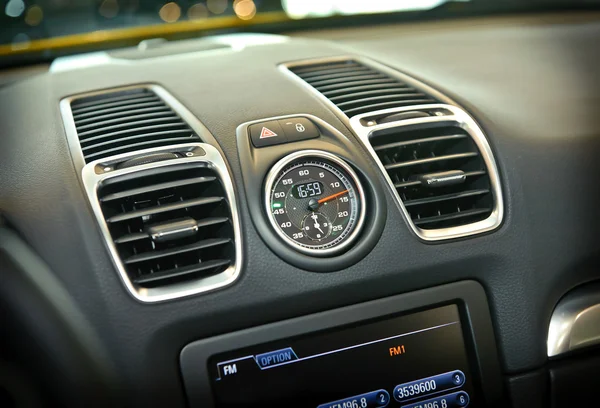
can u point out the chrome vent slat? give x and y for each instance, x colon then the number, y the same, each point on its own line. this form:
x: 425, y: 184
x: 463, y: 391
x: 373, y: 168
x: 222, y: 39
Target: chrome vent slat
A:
x: 148, y: 256
x: 140, y: 207
x: 180, y: 272
x: 207, y: 222
x: 446, y: 197
x: 454, y: 216
x: 417, y: 162
x: 125, y: 121
x: 418, y: 141
x: 132, y: 237
x: 417, y: 183
x: 407, y: 184
x: 409, y: 155
x: 357, y: 88
x: 160, y: 186
x: 164, y: 208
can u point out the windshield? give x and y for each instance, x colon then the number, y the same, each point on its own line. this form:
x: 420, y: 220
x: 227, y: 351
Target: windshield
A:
x: 58, y: 22
x: 58, y: 27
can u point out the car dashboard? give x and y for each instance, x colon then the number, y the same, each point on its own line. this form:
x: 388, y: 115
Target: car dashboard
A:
x: 397, y: 215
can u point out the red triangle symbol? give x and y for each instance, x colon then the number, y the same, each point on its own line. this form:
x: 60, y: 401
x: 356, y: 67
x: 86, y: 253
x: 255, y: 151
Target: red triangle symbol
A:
x: 265, y: 133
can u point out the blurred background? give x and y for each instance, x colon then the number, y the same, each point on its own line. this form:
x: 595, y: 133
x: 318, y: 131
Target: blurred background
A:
x: 33, y: 31
x: 23, y: 21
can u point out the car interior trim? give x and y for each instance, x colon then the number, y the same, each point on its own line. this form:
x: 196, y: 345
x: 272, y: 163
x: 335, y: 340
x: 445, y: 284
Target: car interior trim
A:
x: 212, y: 159
x: 457, y: 117
x: 258, y: 162
x: 575, y: 322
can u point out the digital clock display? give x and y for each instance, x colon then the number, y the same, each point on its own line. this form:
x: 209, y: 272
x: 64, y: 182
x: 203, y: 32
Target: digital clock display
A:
x: 413, y: 361
x: 308, y: 190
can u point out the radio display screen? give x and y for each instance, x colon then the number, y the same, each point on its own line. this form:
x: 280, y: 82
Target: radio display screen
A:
x: 412, y: 361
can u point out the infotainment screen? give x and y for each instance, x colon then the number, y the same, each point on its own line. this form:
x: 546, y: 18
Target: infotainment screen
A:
x: 413, y: 361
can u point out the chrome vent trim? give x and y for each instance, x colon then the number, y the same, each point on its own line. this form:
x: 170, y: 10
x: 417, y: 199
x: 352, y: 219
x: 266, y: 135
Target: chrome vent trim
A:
x: 454, y: 117
x: 95, y: 172
x: 92, y: 180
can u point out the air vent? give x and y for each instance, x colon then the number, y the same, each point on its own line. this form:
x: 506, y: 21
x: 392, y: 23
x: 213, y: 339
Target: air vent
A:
x: 169, y: 225
x: 439, y: 173
x: 125, y: 121
x: 356, y: 88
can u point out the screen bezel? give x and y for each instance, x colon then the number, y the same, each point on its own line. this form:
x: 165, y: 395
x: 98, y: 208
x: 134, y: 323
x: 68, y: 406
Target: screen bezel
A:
x: 469, y: 296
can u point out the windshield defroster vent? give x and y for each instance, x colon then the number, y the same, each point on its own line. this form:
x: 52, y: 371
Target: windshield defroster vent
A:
x: 119, y: 122
x: 170, y: 224
x: 438, y: 173
x: 356, y: 88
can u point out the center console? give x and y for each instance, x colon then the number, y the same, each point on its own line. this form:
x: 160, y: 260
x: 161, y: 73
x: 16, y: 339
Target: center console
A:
x: 428, y: 349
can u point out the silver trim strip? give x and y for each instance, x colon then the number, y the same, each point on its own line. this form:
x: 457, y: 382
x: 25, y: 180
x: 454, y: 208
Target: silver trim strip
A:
x: 458, y: 117
x: 575, y: 322
x: 91, y: 182
x: 280, y: 165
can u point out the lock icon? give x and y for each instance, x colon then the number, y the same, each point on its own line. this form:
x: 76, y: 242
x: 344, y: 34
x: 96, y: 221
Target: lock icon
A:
x: 300, y: 128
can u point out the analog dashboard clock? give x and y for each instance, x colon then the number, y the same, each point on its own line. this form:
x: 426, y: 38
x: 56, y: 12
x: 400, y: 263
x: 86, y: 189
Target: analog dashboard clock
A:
x: 315, y: 202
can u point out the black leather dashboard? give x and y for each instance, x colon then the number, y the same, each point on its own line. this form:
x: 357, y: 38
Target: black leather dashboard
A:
x: 531, y: 83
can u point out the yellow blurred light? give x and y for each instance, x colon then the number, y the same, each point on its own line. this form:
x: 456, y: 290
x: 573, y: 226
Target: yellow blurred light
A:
x: 109, y: 8
x: 170, y: 12
x: 197, y: 12
x: 244, y: 9
x: 217, y: 6
x: 34, y: 16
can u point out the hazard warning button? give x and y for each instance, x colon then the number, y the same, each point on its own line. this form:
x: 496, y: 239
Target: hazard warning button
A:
x: 267, y: 134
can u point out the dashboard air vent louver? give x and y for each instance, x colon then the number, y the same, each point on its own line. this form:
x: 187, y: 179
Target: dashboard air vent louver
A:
x: 439, y: 174
x: 170, y: 224
x: 125, y: 121
x: 356, y: 88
